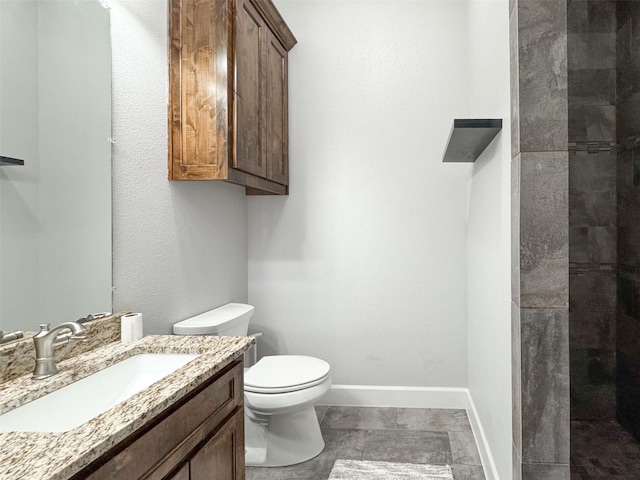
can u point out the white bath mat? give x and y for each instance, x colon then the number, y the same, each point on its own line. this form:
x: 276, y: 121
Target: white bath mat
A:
x: 365, y: 470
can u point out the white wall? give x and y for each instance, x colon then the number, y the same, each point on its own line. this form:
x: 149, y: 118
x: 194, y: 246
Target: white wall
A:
x: 178, y: 248
x: 488, y: 238
x: 364, y: 263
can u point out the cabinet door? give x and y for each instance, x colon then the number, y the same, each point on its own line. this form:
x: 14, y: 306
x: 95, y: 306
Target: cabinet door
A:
x: 251, y: 33
x: 182, y: 474
x: 222, y: 457
x: 277, y: 111
x: 199, y: 122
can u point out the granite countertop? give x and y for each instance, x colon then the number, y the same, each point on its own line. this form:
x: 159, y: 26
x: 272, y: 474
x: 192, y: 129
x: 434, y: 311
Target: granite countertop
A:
x: 58, y: 456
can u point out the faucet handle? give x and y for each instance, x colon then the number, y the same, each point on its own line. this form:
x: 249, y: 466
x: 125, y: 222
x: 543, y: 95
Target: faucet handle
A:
x: 82, y: 338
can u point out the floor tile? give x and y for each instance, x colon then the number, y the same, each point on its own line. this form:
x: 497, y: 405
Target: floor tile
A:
x: 433, y: 419
x: 464, y: 449
x: 407, y: 446
x: 344, y: 443
x: 468, y: 472
x: 545, y: 471
x: 339, y: 443
x: 321, y: 410
x: 315, y: 469
x: 388, y: 434
x: 602, y: 450
x: 365, y: 418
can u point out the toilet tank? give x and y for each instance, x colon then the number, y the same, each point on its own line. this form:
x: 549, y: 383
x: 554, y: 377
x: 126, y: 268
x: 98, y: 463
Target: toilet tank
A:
x: 231, y: 320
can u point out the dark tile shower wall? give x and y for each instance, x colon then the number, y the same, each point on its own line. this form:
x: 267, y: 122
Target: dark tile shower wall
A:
x: 591, y: 98
x: 540, y: 239
x: 628, y: 185
x: 591, y: 61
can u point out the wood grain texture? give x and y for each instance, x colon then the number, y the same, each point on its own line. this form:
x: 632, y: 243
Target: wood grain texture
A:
x: 228, y: 70
x: 223, y: 454
x: 182, y: 474
x: 276, y: 138
x: 250, y: 32
x: 261, y: 185
x: 200, y: 41
x: 276, y: 23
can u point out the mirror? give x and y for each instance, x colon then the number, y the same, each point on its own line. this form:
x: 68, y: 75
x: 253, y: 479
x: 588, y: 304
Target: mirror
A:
x: 55, y: 115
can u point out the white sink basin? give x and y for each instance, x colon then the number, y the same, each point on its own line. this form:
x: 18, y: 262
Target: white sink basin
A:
x: 77, y: 403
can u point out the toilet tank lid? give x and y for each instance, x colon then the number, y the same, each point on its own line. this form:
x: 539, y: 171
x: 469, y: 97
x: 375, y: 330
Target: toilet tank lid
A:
x: 213, y: 321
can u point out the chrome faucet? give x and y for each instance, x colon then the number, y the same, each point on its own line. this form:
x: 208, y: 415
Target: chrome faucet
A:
x: 47, y: 340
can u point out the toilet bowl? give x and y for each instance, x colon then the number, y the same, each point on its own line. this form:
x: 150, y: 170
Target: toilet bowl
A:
x: 280, y: 391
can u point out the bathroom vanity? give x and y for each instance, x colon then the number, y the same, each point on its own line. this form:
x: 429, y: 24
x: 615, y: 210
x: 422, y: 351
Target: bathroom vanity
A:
x: 202, y: 433
x: 184, y: 426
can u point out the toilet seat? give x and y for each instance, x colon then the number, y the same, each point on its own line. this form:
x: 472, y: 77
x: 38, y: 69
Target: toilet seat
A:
x: 285, y: 373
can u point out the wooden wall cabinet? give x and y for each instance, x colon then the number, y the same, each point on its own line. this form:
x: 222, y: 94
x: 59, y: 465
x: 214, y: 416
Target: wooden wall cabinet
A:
x: 228, y: 94
x: 199, y: 438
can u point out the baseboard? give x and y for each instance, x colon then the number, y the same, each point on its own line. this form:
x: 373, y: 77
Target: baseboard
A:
x: 403, y: 397
x: 416, y: 397
x: 488, y: 463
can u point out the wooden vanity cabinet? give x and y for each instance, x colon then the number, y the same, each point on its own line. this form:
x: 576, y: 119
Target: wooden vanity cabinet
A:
x: 218, y: 458
x: 220, y: 453
x: 201, y: 437
x: 228, y: 102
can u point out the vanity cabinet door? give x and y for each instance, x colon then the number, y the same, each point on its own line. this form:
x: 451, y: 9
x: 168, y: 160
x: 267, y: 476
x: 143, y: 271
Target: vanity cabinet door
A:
x: 222, y: 457
x: 182, y: 474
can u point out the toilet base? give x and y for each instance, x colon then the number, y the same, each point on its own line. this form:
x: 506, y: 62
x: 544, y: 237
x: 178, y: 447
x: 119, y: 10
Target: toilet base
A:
x: 281, y: 440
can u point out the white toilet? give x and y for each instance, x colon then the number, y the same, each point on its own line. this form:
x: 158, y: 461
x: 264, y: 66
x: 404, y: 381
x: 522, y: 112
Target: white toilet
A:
x: 281, y: 425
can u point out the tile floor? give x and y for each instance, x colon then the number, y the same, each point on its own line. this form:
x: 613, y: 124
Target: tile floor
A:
x: 409, y: 435
x: 603, y: 451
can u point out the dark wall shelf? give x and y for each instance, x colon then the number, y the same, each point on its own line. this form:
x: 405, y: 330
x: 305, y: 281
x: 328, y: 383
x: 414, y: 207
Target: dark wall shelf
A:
x: 469, y: 138
x: 6, y: 161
